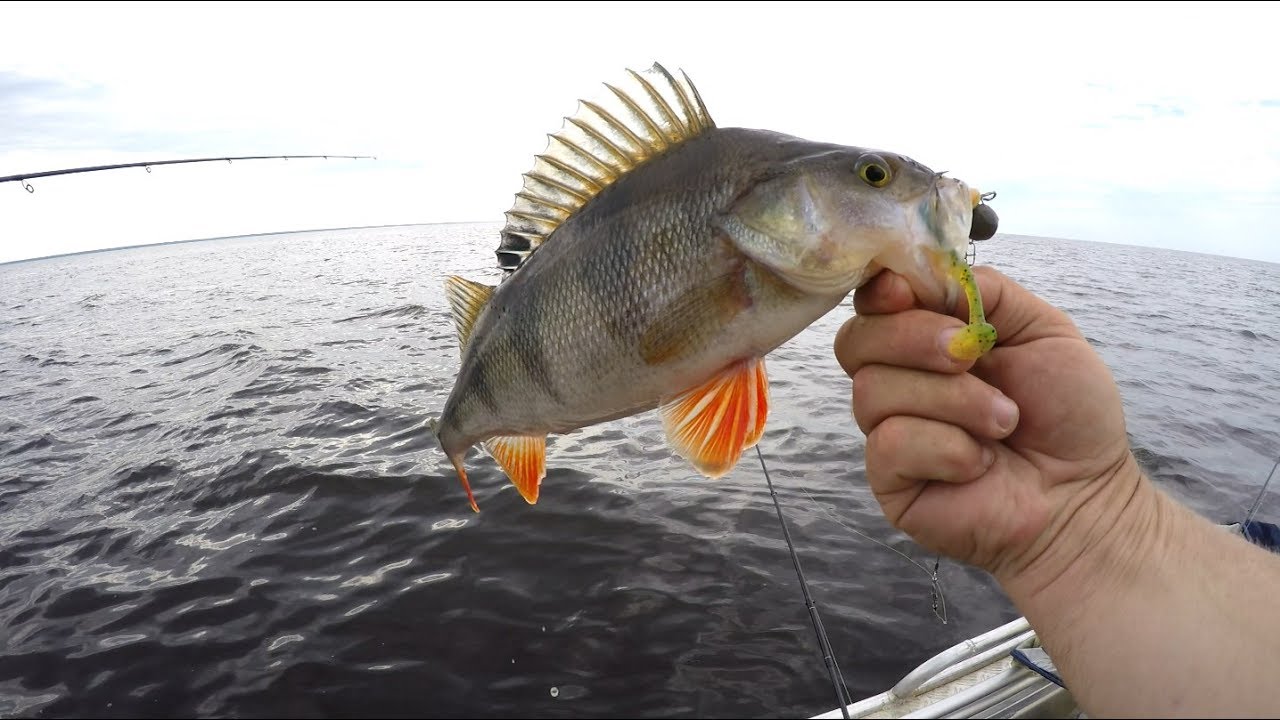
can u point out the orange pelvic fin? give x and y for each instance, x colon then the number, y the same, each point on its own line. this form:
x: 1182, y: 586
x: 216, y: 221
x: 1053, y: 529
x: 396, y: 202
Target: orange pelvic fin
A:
x: 462, y: 475
x: 713, y: 423
x: 523, y: 459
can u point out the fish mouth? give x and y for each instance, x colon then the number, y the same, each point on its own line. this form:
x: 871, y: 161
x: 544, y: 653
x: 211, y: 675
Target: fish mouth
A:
x: 948, y: 211
x: 940, y: 228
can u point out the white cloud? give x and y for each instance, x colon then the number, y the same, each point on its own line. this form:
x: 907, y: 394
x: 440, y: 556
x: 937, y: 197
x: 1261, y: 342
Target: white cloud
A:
x: 1087, y: 118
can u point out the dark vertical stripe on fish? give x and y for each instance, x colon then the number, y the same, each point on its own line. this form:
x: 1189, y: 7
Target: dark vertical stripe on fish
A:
x: 606, y: 283
x: 531, y: 352
x: 480, y: 387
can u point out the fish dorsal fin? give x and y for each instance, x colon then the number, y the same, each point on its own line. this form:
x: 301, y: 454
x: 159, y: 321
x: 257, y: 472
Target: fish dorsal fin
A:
x: 466, y: 298
x: 642, y: 117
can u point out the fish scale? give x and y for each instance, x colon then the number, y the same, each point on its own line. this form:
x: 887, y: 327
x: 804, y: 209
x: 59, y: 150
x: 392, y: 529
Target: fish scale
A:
x: 688, y: 253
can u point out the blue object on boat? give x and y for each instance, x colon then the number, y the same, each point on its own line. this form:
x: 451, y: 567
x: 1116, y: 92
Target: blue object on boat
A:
x: 1260, y: 533
x: 1038, y: 660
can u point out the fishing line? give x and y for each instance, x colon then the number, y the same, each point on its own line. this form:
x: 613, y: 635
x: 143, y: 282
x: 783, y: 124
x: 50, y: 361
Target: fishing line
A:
x: 938, y: 599
x: 828, y: 657
x: 1258, y: 501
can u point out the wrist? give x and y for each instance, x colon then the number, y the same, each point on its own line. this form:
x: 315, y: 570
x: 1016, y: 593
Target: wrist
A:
x: 1104, y: 530
x: 1143, y: 606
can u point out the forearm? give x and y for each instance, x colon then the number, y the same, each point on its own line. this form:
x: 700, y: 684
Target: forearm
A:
x: 1157, y: 612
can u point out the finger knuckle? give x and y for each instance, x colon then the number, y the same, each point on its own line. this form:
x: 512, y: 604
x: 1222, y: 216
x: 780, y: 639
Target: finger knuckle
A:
x: 846, y: 342
x: 961, y: 459
x: 889, y: 439
x: 866, y: 381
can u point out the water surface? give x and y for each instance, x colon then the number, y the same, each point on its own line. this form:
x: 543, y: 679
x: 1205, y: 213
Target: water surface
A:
x: 219, y: 495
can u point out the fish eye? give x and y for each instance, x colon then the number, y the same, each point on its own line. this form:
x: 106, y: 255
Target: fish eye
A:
x: 874, y: 172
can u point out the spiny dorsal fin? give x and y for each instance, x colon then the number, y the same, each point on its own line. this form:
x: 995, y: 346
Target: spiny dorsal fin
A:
x: 649, y: 113
x: 466, y: 298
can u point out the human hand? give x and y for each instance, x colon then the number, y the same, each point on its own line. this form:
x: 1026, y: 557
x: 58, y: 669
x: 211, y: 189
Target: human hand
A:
x: 988, y: 461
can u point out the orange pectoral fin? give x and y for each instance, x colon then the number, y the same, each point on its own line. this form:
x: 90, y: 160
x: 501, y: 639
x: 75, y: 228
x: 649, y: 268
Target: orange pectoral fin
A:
x: 523, y: 459
x: 462, y: 475
x: 713, y: 423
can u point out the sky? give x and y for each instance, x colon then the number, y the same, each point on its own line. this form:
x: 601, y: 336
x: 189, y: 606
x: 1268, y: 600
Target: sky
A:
x: 1132, y: 123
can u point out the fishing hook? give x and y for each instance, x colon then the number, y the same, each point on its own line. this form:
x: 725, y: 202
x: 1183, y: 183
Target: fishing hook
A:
x: 936, y: 596
x: 27, y: 186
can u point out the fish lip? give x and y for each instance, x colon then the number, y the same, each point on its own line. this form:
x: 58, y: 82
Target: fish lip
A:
x: 943, y: 292
x: 944, y: 254
x: 929, y: 272
x: 934, y: 218
x: 952, y: 291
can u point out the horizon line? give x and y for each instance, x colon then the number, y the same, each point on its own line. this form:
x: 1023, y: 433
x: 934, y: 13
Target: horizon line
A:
x: 495, y: 222
x: 232, y: 237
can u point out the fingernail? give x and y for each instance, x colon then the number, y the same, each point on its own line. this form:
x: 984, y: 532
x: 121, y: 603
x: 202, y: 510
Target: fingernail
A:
x: 944, y: 341
x: 1005, y: 412
x: 988, y: 457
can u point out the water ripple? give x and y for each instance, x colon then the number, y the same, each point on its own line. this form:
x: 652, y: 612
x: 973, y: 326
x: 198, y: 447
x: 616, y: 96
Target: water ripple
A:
x: 221, y: 496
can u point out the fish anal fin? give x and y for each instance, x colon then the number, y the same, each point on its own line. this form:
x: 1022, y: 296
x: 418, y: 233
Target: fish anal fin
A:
x: 713, y: 423
x: 466, y: 299
x: 524, y: 459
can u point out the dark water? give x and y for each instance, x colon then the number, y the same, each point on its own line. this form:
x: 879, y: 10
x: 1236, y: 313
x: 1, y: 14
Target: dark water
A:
x: 219, y: 496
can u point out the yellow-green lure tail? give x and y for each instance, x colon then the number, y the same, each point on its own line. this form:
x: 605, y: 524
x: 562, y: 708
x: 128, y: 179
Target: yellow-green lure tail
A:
x: 978, y: 336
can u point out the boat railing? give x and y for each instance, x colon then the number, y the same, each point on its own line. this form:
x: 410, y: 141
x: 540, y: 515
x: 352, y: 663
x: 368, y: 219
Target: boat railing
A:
x: 948, y: 665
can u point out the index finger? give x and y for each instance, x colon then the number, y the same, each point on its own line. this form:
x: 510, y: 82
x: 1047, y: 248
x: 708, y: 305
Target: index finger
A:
x: 886, y: 293
x: 1017, y: 313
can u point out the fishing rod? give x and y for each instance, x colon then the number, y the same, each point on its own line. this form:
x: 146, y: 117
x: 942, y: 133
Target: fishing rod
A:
x: 24, y: 177
x: 1257, y: 502
x: 824, y: 644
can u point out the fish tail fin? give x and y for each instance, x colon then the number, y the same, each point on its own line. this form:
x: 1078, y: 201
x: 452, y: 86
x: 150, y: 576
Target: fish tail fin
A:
x: 455, y: 457
x: 462, y: 476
